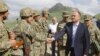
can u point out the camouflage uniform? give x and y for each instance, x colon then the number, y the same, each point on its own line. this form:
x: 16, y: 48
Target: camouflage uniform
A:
x: 4, y: 41
x: 62, y: 41
x: 4, y: 36
x: 39, y: 44
x: 44, y: 24
x: 94, y: 35
x: 23, y: 26
x: 44, y: 20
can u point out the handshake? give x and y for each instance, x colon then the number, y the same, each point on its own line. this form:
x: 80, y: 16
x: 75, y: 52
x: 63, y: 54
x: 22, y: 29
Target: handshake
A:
x: 50, y: 40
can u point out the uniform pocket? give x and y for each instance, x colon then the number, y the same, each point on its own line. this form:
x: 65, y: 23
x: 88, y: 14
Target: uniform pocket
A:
x: 36, y: 43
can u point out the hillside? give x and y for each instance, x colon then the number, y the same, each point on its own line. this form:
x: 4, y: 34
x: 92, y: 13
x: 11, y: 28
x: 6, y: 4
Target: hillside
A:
x: 59, y: 8
x: 97, y: 16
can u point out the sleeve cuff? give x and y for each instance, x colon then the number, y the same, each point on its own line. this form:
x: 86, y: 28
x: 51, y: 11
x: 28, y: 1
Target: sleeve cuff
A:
x: 53, y: 38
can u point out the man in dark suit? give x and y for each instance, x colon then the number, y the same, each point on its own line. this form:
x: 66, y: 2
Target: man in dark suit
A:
x: 78, y: 40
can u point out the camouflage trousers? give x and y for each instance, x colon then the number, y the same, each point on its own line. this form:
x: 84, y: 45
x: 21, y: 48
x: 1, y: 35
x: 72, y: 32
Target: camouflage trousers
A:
x: 48, y: 50
x: 5, y: 53
x: 39, y: 50
x: 17, y: 52
x: 93, y: 51
x: 61, y: 50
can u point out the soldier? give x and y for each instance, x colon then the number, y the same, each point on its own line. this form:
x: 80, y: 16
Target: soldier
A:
x: 24, y: 26
x: 62, y: 41
x: 44, y: 19
x: 39, y: 44
x: 44, y: 22
x: 7, y: 39
x: 94, y: 35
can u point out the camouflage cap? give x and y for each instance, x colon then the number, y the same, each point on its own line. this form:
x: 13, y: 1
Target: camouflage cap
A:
x: 3, y: 7
x: 26, y: 12
x: 87, y: 17
x: 65, y: 14
x: 45, y: 11
x: 35, y: 13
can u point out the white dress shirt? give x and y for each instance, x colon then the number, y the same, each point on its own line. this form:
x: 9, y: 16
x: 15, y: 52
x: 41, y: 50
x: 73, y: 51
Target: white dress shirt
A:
x: 74, y: 29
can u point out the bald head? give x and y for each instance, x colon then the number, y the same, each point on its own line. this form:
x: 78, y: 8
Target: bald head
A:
x: 54, y: 20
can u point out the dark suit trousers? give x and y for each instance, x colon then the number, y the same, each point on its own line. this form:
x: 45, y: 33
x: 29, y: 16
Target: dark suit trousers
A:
x: 53, y: 48
x: 72, y: 52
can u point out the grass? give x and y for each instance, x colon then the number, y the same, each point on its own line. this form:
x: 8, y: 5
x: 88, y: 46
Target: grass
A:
x: 11, y: 24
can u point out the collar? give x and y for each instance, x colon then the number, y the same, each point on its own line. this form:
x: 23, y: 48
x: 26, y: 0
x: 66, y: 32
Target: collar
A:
x: 24, y: 21
x: 55, y: 23
x: 77, y: 23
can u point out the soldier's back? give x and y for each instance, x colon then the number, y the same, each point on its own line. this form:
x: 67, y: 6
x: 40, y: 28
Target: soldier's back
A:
x: 63, y: 40
x: 94, y: 38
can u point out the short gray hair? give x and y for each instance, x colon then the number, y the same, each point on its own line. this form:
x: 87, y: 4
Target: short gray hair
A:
x: 76, y: 10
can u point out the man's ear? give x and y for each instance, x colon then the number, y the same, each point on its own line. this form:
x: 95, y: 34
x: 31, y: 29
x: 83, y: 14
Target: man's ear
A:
x: 1, y: 15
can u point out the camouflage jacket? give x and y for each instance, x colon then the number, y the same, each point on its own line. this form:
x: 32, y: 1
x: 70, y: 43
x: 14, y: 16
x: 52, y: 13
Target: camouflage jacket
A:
x: 40, y: 34
x: 4, y: 38
x: 23, y: 26
x: 64, y: 38
x: 44, y: 24
x: 94, y: 33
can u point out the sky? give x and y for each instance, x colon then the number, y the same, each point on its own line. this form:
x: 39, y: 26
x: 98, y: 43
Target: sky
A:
x: 91, y: 7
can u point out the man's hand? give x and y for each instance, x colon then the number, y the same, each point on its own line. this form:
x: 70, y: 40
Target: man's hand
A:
x: 85, y: 55
x: 49, y: 40
x: 13, y: 42
x: 12, y: 35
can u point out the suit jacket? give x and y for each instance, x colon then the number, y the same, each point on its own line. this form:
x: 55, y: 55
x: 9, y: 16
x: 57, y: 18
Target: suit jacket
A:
x: 98, y: 24
x: 82, y: 38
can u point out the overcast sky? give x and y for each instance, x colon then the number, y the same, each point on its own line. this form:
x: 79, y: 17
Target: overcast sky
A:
x: 88, y: 6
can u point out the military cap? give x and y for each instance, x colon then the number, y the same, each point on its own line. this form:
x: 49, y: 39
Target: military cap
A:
x: 3, y: 7
x: 65, y: 14
x: 35, y: 13
x: 45, y: 11
x: 26, y: 12
x: 87, y: 17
